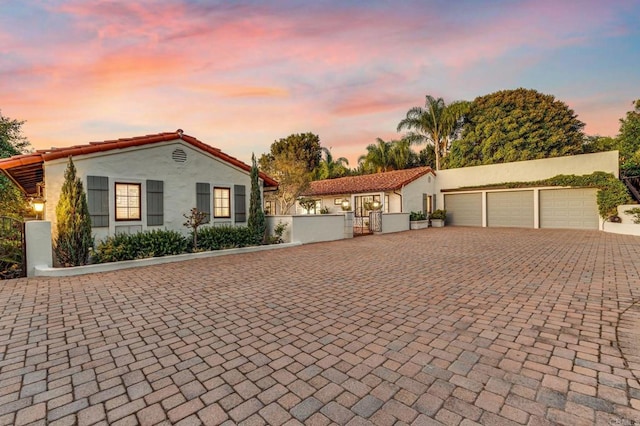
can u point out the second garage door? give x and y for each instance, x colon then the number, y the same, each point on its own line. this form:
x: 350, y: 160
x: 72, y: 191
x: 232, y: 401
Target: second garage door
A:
x: 569, y: 208
x: 463, y: 209
x: 510, y: 209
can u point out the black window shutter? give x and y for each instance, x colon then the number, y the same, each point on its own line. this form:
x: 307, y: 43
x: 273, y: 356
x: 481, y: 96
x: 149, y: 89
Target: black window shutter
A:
x: 155, y: 202
x: 203, y: 199
x: 98, y: 200
x: 239, y: 203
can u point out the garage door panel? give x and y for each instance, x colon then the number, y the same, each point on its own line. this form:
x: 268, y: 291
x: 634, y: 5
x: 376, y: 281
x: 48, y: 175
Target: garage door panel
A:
x: 464, y: 209
x: 569, y: 208
x: 510, y: 209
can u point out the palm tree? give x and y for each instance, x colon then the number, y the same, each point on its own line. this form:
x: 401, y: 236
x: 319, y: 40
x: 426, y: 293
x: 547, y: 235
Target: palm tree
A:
x: 378, y: 157
x: 330, y: 168
x: 436, y: 124
x: 402, y: 155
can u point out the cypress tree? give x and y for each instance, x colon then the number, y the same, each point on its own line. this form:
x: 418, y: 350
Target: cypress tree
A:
x: 257, y: 222
x: 73, y: 239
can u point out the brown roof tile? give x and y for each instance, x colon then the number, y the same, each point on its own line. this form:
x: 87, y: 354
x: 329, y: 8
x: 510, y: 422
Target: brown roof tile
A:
x: 387, y: 181
x: 41, y: 156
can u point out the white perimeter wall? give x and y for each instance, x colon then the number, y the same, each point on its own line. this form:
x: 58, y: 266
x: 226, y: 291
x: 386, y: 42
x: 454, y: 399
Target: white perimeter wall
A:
x: 311, y: 228
x: 154, y: 162
x: 525, y: 171
x: 395, y: 222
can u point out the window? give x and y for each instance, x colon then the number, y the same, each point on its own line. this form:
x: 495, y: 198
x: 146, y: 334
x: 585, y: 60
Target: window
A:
x: 128, y: 201
x: 269, y: 208
x: 221, y: 202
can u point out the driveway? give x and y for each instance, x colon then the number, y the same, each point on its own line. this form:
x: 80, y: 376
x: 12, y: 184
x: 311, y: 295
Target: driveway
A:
x: 453, y: 326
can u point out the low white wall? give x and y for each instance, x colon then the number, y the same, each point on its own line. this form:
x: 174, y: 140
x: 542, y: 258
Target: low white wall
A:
x: 312, y: 228
x: 274, y: 220
x: 621, y: 228
x: 48, y: 271
x: 317, y: 227
x: 395, y: 222
x: 627, y: 218
x: 39, y: 251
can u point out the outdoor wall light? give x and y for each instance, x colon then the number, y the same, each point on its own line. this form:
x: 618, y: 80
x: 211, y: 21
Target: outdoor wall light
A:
x: 37, y: 202
x: 346, y: 205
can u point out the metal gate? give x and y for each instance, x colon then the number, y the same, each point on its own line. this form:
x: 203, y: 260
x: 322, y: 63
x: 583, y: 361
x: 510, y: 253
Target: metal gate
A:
x: 12, y: 248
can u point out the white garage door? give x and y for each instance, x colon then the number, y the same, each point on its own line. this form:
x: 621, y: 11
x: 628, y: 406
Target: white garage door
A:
x: 569, y: 208
x: 463, y: 209
x: 510, y: 208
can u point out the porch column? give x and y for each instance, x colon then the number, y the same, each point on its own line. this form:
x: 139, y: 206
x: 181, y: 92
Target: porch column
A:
x: 39, y: 250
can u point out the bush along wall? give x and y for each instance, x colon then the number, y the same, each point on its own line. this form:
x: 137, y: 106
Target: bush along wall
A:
x: 159, y: 243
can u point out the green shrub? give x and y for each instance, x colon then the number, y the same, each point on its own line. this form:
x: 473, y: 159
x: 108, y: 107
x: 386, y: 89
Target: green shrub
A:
x: 154, y: 243
x: 635, y: 212
x: 417, y: 216
x: 438, y: 214
x: 224, y: 237
x: 278, y: 231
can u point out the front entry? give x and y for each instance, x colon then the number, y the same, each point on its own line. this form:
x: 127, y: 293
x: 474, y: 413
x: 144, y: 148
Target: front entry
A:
x: 363, y: 223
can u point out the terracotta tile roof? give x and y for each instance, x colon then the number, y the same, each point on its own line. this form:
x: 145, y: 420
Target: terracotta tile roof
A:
x: 388, y: 181
x: 15, y: 166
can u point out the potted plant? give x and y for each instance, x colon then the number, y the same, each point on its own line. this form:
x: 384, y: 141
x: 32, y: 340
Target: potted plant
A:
x: 438, y: 218
x: 418, y: 220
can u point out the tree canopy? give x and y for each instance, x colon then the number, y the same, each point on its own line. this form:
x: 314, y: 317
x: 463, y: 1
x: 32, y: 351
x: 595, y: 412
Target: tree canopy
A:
x: 292, y: 161
x: 436, y: 124
x: 12, y: 142
x: 629, y: 140
x: 515, y: 125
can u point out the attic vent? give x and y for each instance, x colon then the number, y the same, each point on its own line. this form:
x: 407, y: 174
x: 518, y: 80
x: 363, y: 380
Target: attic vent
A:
x: 179, y: 156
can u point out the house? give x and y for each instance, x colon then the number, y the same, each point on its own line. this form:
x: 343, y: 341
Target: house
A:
x: 477, y: 196
x: 397, y: 191
x: 142, y: 183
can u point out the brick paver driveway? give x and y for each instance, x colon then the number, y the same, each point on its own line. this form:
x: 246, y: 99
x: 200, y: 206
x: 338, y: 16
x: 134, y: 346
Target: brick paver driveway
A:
x: 441, y: 326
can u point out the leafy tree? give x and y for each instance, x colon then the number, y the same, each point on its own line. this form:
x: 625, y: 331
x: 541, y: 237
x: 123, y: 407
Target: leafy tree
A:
x: 257, y: 222
x: 436, y: 124
x: 402, y: 156
x: 292, y: 162
x: 12, y: 201
x: 302, y: 147
x: 378, y: 157
x: 195, y: 219
x: 73, y: 239
x: 330, y: 168
x: 629, y: 139
x: 293, y: 178
x: 599, y: 144
x: 515, y: 125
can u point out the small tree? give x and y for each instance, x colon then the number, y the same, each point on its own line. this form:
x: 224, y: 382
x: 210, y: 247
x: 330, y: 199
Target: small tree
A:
x: 194, y: 220
x: 257, y: 222
x: 74, y: 239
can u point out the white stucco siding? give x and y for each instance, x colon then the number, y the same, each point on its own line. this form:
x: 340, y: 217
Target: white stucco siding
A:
x: 526, y: 171
x: 413, y: 193
x: 151, y: 162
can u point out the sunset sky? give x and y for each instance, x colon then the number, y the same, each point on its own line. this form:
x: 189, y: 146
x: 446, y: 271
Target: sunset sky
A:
x: 239, y: 75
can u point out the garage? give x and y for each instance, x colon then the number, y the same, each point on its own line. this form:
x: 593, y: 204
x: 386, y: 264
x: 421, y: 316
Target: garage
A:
x: 464, y: 209
x: 569, y: 208
x: 510, y: 209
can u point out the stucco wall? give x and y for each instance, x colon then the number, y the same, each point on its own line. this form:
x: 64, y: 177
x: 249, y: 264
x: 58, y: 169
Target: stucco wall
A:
x: 155, y: 162
x: 309, y: 228
x: 395, y: 222
x: 413, y: 193
x: 526, y: 171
